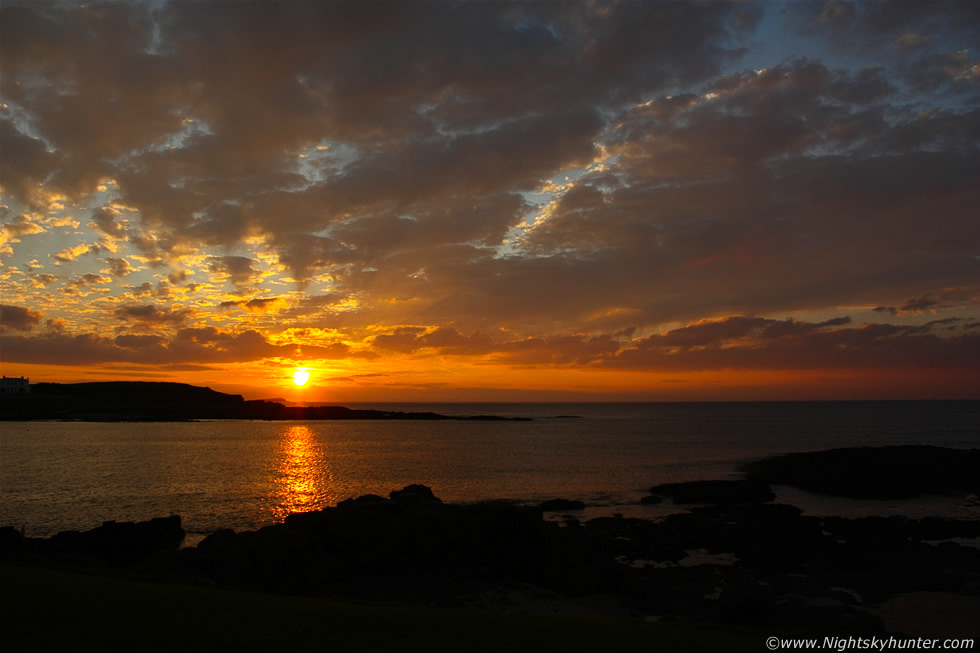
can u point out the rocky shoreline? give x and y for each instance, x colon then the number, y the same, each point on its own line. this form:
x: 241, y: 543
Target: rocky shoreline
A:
x: 734, y: 557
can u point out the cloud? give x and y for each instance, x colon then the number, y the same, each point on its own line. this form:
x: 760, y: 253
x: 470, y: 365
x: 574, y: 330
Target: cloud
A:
x: 257, y: 305
x: 751, y: 343
x: 104, y: 220
x: 45, y: 279
x: 521, y: 179
x: 87, y: 279
x: 20, y: 226
x: 73, y: 253
x: 909, y: 41
x: 238, y: 269
x: 119, y: 267
x: 27, y: 161
x: 948, y: 298
x: 187, y: 347
x: 151, y: 314
x: 18, y: 318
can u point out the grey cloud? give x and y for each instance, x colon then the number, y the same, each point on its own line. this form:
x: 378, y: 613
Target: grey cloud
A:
x: 867, y: 25
x: 187, y: 346
x: 104, y: 219
x: 45, y: 279
x: 26, y: 162
x: 119, y: 267
x: 238, y: 268
x: 918, y: 305
x: 19, y: 318
x: 909, y: 41
x: 87, y: 279
x: 794, y: 188
x: 874, y: 346
x: 942, y: 71
x: 151, y: 314
x: 335, y: 71
x: 730, y: 343
x: 256, y: 305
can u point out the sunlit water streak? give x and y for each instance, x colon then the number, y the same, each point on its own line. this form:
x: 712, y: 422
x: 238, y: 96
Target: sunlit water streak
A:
x: 238, y: 474
x: 300, y: 473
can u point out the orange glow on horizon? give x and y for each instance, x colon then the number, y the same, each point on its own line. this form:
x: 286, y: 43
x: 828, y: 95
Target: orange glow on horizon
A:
x: 401, y: 379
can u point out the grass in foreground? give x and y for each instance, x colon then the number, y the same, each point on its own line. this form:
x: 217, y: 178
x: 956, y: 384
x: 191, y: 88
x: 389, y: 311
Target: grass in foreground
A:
x: 45, y: 609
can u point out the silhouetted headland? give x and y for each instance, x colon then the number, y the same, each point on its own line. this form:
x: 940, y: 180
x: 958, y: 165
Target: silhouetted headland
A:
x: 895, y: 472
x: 735, y: 557
x: 157, y: 401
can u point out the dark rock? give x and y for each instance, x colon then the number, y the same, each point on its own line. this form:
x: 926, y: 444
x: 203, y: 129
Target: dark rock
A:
x: 368, y: 500
x: 413, y: 495
x: 11, y: 542
x: 220, y: 540
x: 745, y: 600
x: 846, y: 620
x: 560, y: 505
x: 895, y: 472
x: 716, y: 492
x: 118, y: 542
x: 651, y: 499
x: 937, y: 528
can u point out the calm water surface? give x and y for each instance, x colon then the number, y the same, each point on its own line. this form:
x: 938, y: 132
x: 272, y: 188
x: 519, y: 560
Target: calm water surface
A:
x: 240, y: 474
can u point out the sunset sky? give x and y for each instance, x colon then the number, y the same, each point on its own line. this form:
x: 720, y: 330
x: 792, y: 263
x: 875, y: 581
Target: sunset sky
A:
x: 497, y: 201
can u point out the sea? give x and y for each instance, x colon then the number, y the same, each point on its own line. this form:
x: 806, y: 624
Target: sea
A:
x: 244, y: 475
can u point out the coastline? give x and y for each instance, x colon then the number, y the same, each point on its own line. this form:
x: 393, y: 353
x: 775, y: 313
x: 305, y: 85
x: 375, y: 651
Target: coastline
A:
x: 150, y: 401
x: 735, y: 558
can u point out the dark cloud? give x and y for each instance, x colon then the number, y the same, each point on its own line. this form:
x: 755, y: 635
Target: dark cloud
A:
x: 734, y: 343
x: 104, y: 219
x: 151, y: 314
x: 872, y: 25
x: 238, y: 269
x: 747, y: 343
x: 909, y: 41
x: 952, y: 71
x: 27, y: 162
x: 257, y: 305
x: 87, y: 279
x: 18, y: 318
x: 496, y: 96
x: 45, y: 279
x: 187, y: 346
x: 918, y: 305
x: 563, y: 171
x: 119, y: 267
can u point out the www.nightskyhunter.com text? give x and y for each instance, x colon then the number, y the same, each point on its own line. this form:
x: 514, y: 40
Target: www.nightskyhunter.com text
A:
x: 869, y: 643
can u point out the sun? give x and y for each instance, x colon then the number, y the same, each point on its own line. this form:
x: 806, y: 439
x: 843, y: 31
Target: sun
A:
x: 301, y: 376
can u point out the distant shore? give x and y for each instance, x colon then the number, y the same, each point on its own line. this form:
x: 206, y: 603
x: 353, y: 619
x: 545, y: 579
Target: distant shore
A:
x: 143, y: 401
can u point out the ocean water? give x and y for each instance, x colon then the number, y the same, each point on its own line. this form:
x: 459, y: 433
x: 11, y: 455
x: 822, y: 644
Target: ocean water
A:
x: 245, y: 474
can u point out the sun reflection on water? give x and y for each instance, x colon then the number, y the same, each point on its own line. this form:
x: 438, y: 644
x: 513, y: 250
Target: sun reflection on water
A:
x: 303, y: 477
